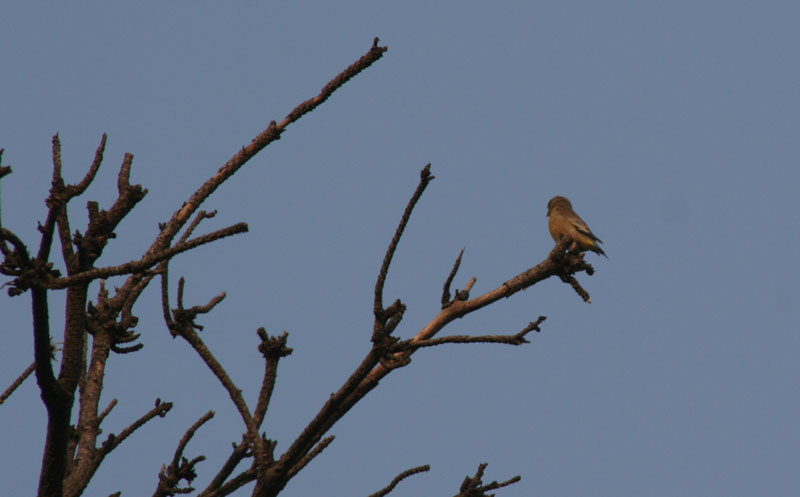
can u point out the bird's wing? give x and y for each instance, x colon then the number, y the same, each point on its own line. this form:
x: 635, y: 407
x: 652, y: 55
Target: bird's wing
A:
x: 583, y: 229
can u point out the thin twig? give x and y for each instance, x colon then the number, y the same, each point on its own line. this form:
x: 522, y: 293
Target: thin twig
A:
x: 188, y: 436
x: 378, y: 310
x: 310, y: 456
x: 180, y: 468
x: 557, y: 263
x: 273, y: 349
x: 76, y: 190
x: 233, y: 484
x: 516, y: 339
x: 449, y: 281
x: 240, y: 451
x: 161, y: 409
x: 147, y: 261
x: 106, y: 411
x: 186, y: 330
x: 272, y: 133
x: 397, y: 479
x: 30, y: 369
x: 474, y: 487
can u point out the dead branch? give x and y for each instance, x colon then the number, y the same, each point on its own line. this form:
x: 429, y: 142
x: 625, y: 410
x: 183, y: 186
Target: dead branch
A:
x: 17, y: 382
x: 474, y: 487
x: 516, y: 339
x: 557, y: 263
x: 272, y: 133
x: 80, y: 251
x: 180, y: 468
x: 273, y: 349
x: 382, y: 315
x: 160, y: 410
x: 240, y: 451
x: 310, y: 456
x: 184, y: 326
x: 147, y: 261
x: 397, y: 479
x: 233, y: 484
x: 446, y: 291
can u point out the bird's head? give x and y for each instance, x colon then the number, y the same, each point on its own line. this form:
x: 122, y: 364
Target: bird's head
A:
x: 556, y: 202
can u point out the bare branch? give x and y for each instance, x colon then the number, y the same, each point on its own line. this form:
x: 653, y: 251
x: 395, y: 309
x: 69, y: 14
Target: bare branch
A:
x: 76, y: 190
x: 378, y: 310
x: 190, y: 433
x: 161, y: 409
x: 18, y: 259
x: 474, y: 487
x: 273, y: 349
x: 334, y: 408
x: 106, y: 411
x: 30, y: 369
x: 180, y: 468
x: 557, y: 263
x: 372, y: 56
x: 516, y: 339
x: 147, y: 261
x: 310, y: 456
x: 397, y: 479
x: 449, y: 281
x: 80, y: 253
x: 573, y: 282
x: 54, y: 203
x: 233, y: 484
x: 202, y: 215
x: 185, y: 327
x: 272, y: 133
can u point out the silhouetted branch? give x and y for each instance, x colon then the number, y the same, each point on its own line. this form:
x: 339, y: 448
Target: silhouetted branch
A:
x: 272, y: 133
x: 397, y: 479
x: 114, y: 322
x: 147, y: 261
x: 310, y: 456
x: 239, y: 452
x: 372, y: 56
x: 76, y: 190
x: 185, y: 326
x: 200, y: 217
x: 106, y: 411
x: 273, y: 349
x: 573, y: 282
x: 334, y: 408
x: 474, y: 487
x: 381, y: 314
x: 557, y: 263
x: 30, y: 369
x: 233, y: 484
x: 161, y: 409
x: 516, y: 339
x: 180, y: 468
x: 449, y: 280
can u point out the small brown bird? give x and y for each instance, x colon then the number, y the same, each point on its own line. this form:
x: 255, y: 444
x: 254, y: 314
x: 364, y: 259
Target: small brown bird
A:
x: 565, y: 222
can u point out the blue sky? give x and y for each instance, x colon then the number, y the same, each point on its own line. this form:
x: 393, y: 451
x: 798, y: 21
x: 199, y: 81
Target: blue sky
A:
x: 672, y: 127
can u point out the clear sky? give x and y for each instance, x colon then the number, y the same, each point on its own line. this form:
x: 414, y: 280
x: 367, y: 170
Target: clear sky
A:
x: 672, y: 127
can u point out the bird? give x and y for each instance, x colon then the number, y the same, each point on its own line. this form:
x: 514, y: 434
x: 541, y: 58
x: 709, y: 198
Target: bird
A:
x: 565, y: 222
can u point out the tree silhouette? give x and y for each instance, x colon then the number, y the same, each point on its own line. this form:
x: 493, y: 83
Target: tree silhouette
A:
x: 95, y: 331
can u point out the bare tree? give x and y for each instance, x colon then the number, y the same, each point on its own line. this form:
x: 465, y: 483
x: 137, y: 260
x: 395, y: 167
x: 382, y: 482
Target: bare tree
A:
x: 95, y: 331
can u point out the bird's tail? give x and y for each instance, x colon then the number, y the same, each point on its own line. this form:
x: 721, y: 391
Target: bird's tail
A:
x: 598, y: 250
